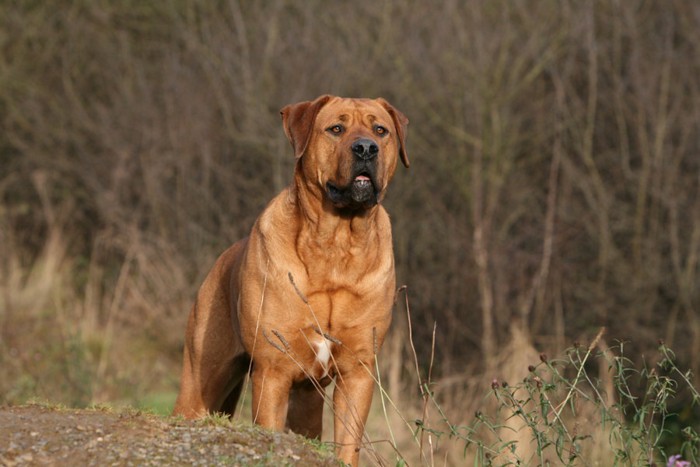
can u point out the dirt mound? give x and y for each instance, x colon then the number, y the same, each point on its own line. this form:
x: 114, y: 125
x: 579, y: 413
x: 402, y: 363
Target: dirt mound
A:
x: 39, y: 435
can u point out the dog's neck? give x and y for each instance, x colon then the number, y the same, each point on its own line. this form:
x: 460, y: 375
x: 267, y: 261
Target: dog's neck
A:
x: 328, y: 224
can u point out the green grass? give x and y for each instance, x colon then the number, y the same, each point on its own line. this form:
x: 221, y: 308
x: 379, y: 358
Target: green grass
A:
x: 159, y: 403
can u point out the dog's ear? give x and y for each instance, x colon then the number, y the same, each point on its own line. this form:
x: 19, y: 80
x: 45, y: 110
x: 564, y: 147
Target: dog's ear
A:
x: 298, y: 121
x: 400, y: 122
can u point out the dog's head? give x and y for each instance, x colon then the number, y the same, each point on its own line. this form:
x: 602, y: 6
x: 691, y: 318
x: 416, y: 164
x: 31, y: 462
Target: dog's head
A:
x: 346, y: 149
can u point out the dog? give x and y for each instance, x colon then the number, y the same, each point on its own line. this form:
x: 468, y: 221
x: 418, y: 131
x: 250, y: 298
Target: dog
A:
x: 307, y: 296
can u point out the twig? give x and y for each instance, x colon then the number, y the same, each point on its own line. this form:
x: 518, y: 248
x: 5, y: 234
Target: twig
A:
x: 580, y: 370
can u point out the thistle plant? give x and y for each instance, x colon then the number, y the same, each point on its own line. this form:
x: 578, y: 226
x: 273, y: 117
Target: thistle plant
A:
x: 561, y: 414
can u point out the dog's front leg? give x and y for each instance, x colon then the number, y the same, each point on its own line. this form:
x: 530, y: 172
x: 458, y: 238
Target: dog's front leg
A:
x: 270, y: 397
x: 352, y: 398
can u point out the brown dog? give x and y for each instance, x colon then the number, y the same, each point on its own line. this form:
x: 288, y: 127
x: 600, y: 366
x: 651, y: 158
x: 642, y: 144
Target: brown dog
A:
x: 308, y: 295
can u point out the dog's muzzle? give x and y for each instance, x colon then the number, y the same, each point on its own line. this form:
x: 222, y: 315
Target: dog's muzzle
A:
x: 363, y: 190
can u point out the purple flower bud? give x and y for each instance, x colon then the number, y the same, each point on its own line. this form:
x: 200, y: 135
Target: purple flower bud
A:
x: 677, y: 461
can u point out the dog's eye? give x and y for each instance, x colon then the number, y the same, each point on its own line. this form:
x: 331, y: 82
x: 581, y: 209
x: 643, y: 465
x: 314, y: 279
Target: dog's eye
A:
x: 335, y: 129
x: 380, y: 130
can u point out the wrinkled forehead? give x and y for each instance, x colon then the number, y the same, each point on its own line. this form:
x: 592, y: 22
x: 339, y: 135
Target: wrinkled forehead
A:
x: 353, y: 112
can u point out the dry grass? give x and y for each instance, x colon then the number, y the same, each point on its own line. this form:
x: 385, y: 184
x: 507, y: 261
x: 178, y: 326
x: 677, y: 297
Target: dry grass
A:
x: 577, y: 409
x: 67, y: 341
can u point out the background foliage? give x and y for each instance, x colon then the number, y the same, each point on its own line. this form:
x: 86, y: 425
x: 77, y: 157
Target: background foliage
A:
x: 554, y: 185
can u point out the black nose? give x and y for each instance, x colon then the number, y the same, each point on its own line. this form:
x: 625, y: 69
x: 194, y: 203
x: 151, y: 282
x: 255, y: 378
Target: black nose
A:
x: 365, y: 149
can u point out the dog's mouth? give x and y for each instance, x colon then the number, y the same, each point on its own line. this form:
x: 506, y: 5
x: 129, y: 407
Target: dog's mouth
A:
x: 360, y: 193
x: 362, y: 182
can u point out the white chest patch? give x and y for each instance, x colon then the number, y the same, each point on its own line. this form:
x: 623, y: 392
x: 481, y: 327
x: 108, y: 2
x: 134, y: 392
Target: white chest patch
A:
x: 323, y: 355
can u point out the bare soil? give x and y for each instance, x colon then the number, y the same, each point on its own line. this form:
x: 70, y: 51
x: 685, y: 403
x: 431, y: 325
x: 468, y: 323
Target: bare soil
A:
x: 40, y: 435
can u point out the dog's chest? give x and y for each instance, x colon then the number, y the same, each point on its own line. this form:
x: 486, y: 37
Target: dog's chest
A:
x: 340, y: 268
x: 322, y: 360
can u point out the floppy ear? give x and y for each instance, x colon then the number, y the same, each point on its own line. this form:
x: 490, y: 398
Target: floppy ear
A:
x: 298, y: 121
x: 400, y: 122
